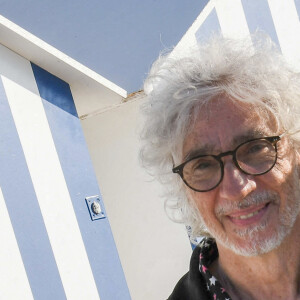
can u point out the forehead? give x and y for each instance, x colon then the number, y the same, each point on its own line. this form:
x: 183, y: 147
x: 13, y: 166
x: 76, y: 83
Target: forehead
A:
x: 221, y: 125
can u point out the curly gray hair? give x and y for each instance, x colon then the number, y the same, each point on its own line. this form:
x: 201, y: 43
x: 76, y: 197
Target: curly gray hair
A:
x: 254, y: 73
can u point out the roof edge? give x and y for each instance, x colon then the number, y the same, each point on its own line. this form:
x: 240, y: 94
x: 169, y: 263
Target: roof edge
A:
x: 19, y: 35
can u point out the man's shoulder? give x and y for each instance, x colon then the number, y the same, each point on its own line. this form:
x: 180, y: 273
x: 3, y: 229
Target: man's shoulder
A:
x: 192, y: 285
x: 181, y: 289
x: 189, y: 289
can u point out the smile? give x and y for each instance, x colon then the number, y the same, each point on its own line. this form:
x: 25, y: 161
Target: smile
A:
x: 243, y: 217
x: 249, y: 216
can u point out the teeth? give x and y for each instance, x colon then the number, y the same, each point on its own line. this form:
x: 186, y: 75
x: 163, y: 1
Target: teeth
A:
x: 249, y: 215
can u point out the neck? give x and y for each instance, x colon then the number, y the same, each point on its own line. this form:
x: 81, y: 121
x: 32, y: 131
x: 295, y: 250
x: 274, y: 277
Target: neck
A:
x: 274, y: 275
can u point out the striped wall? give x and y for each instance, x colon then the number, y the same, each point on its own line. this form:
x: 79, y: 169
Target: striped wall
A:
x: 51, y: 248
x: 237, y: 18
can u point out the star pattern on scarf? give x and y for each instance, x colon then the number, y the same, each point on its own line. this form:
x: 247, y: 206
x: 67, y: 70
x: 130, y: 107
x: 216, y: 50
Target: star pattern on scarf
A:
x: 208, y: 253
x: 212, y: 280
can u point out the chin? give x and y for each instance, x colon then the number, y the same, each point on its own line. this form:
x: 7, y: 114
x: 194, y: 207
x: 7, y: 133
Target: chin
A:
x: 255, y: 241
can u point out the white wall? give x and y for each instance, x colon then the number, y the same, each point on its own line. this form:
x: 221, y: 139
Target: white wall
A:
x: 154, y: 251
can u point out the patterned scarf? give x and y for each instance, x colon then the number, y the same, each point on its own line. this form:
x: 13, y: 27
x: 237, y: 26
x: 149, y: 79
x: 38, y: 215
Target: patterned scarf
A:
x: 208, y: 253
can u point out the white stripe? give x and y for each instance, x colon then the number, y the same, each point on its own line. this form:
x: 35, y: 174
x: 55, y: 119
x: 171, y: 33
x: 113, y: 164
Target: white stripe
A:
x: 189, y: 38
x: 287, y: 26
x: 49, y: 183
x: 232, y: 18
x: 13, y: 279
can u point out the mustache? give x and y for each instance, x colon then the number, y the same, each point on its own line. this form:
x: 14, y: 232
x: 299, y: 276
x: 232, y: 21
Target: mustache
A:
x: 250, y: 200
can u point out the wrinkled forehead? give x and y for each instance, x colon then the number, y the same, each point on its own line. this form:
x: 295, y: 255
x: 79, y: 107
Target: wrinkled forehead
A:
x: 223, y: 124
x: 223, y: 111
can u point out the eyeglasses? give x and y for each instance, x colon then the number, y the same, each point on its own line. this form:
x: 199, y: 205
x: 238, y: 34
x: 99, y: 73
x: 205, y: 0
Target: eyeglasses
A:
x: 254, y: 157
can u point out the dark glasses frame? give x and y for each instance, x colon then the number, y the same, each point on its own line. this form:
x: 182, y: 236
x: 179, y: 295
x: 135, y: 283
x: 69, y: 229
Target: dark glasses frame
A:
x: 273, y: 140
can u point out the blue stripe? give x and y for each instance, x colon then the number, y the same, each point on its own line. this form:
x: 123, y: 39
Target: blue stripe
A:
x: 81, y: 181
x: 24, y: 211
x: 297, y: 4
x: 258, y: 16
x: 210, y: 26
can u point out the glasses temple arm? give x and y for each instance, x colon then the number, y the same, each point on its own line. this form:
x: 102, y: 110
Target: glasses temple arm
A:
x: 289, y: 133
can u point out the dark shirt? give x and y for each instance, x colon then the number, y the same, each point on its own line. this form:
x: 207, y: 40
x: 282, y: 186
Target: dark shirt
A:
x: 199, y: 283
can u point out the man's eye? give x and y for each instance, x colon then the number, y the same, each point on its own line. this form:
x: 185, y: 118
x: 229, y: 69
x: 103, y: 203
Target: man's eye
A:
x: 203, y: 166
x: 256, y: 148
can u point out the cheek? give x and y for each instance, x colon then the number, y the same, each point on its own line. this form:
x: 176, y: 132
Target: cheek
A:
x: 281, y: 172
x: 283, y: 178
x: 287, y: 163
x: 204, y: 203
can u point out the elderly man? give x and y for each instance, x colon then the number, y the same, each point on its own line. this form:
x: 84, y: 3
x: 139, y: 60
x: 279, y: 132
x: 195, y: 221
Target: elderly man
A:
x: 221, y: 133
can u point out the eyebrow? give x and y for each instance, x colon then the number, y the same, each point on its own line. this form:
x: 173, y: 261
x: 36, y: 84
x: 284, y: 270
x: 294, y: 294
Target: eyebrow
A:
x: 239, y: 139
x: 250, y: 134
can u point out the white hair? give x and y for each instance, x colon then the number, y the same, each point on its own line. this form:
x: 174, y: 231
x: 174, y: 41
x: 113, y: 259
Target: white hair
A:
x: 254, y: 73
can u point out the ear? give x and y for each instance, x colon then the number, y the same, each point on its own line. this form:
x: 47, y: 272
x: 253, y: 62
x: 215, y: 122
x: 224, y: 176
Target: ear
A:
x: 297, y: 156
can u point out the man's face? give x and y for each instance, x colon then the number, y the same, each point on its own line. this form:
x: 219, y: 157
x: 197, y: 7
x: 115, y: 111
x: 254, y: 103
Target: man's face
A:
x: 249, y: 214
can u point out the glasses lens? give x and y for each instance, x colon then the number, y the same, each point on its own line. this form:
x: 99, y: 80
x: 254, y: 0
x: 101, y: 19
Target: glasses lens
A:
x: 256, y: 157
x: 202, y: 173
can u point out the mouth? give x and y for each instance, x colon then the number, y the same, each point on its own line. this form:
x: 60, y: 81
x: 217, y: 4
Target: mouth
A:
x: 248, y: 216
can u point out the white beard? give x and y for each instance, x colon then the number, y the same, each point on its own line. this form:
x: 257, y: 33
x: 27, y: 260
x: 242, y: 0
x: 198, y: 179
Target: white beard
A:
x: 259, y: 245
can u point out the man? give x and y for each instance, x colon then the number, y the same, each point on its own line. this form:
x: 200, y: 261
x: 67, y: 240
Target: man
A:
x: 222, y: 134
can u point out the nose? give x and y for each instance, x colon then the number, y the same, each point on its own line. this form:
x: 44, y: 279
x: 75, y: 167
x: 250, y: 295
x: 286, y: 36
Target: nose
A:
x: 235, y: 184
